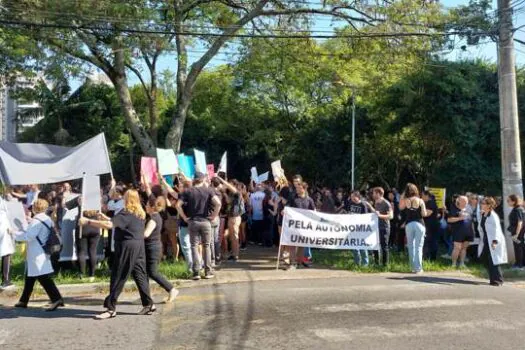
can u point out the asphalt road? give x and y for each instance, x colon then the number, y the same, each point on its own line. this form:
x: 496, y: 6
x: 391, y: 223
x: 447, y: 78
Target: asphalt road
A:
x: 361, y: 312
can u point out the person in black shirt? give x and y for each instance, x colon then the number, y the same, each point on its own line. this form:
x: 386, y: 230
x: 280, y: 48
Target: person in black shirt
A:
x: 460, y: 221
x: 202, y: 207
x: 153, y: 245
x: 432, y: 226
x: 517, y: 229
x: 356, y: 207
x: 130, y: 256
x: 87, y: 246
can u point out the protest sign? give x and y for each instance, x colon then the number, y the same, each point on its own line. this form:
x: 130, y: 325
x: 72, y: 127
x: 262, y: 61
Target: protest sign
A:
x: 223, y: 166
x: 263, y: 177
x: 254, y: 177
x: 35, y: 163
x: 307, y: 228
x: 91, y: 198
x: 186, y: 165
x: 200, y: 161
x: 16, y: 215
x: 169, y: 180
x: 439, y: 194
x: 211, y: 171
x: 277, y: 170
x: 168, y: 164
x: 148, y: 167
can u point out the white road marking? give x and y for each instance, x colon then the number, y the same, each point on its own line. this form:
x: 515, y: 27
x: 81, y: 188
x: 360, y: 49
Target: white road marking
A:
x: 364, y: 288
x: 414, y: 330
x: 411, y: 304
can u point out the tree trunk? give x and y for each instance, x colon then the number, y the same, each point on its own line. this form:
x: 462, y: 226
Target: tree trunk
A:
x: 174, y: 137
x: 137, y: 129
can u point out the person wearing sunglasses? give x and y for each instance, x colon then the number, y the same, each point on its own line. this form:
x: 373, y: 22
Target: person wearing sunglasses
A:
x: 492, y: 248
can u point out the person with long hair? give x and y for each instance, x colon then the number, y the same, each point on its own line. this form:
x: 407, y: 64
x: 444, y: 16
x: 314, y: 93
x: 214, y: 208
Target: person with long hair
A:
x: 517, y: 229
x: 415, y: 211
x: 38, y: 263
x: 244, y: 217
x: 130, y: 255
x: 492, y: 248
x: 235, y: 210
x: 153, y: 245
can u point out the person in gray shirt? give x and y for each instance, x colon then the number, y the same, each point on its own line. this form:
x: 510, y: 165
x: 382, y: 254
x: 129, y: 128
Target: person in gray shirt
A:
x: 385, y: 214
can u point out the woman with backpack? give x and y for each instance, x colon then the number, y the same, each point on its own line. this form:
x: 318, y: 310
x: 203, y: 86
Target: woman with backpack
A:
x: 38, y: 263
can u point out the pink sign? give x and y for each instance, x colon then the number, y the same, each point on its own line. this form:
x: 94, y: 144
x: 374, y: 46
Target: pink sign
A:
x: 148, y: 167
x: 211, y: 171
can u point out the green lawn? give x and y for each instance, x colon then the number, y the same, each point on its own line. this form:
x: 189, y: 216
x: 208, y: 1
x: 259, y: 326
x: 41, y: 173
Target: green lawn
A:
x: 172, y: 270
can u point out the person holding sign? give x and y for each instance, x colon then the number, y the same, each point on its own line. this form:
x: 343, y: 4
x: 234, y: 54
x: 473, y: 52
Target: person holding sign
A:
x: 300, y: 200
x: 415, y: 211
x: 130, y: 256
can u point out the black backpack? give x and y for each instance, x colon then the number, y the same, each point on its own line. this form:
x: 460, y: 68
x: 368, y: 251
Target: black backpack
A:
x: 53, y: 245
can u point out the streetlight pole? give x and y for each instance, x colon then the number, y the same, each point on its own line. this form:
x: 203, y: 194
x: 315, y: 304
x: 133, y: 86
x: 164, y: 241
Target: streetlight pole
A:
x: 353, y: 140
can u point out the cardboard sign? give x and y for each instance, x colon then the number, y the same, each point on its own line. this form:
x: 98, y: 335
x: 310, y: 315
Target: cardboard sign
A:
x: 91, y: 197
x: 168, y: 164
x: 440, y: 194
x: 148, y: 167
x: 223, y: 166
x: 200, y: 161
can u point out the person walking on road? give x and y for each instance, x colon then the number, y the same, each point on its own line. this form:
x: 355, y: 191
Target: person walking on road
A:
x: 38, y: 263
x: 130, y: 255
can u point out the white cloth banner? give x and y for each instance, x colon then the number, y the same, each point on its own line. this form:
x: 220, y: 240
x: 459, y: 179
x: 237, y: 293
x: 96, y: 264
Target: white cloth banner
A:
x: 16, y: 215
x: 91, y: 198
x: 167, y: 161
x: 200, y: 161
x: 34, y: 163
x: 307, y: 228
x: 223, y: 166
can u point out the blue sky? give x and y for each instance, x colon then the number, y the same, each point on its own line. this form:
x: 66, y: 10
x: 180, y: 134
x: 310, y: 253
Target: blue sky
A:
x: 486, y: 50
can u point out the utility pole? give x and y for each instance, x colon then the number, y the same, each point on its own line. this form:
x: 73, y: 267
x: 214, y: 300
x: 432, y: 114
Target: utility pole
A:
x: 353, y: 140
x: 508, y: 110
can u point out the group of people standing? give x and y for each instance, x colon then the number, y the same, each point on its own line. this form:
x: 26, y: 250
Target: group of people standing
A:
x: 213, y: 220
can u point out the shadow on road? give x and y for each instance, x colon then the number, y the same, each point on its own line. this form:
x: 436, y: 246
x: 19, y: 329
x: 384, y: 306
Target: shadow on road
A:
x: 435, y: 280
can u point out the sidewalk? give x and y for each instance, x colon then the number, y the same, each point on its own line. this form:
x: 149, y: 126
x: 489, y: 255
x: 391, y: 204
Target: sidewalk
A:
x: 255, y: 264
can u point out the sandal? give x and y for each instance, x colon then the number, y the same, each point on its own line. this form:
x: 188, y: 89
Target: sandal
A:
x: 147, y: 310
x: 106, y: 315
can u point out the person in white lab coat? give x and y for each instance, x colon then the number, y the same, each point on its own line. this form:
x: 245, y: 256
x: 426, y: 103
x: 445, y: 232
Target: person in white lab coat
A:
x: 38, y: 263
x: 7, y: 245
x: 492, y: 247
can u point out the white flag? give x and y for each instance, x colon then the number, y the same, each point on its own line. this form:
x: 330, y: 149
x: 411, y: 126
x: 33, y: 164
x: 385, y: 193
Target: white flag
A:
x: 223, y: 166
x: 200, y: 161
x: 91, y: 198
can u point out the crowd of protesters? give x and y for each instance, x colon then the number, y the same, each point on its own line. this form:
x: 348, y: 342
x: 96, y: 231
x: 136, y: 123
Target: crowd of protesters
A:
x: 210, y: 222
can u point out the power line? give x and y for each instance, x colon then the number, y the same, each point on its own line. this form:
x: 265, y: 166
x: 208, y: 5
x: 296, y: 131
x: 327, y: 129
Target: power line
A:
x: 363, y: 35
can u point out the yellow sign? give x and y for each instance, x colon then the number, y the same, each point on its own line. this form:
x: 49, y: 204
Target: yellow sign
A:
x: 440, y: 195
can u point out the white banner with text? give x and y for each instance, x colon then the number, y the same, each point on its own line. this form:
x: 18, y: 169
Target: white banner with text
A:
x: 307, y: 228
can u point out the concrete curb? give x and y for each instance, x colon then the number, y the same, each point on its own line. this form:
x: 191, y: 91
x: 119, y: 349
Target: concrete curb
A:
x: 244, y: 276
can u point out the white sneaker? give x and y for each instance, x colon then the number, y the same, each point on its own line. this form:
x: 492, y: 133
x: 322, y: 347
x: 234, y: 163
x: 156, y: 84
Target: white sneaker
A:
x: 446, y: 256
x: 174, y: 292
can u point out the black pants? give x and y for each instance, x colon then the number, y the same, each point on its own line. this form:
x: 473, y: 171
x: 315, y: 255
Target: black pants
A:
x: 400, y: 239
x: 87, y: 248
x: 6, y: 265
x: 257, y: 231
x: 267, y: 233
x: 153, y: 256
x: 495, y: 275
x: 430, y: 248
x: 130, y: 259
x: 519, y: 252
x: 384, y: 236
x: 47, y: 283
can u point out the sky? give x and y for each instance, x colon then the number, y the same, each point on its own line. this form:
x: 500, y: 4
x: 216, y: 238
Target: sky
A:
x: 485, y: 50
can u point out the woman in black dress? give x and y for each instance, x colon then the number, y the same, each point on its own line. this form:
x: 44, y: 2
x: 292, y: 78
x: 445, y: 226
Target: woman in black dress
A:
x: 130, y: 255
x: 153, y: 245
